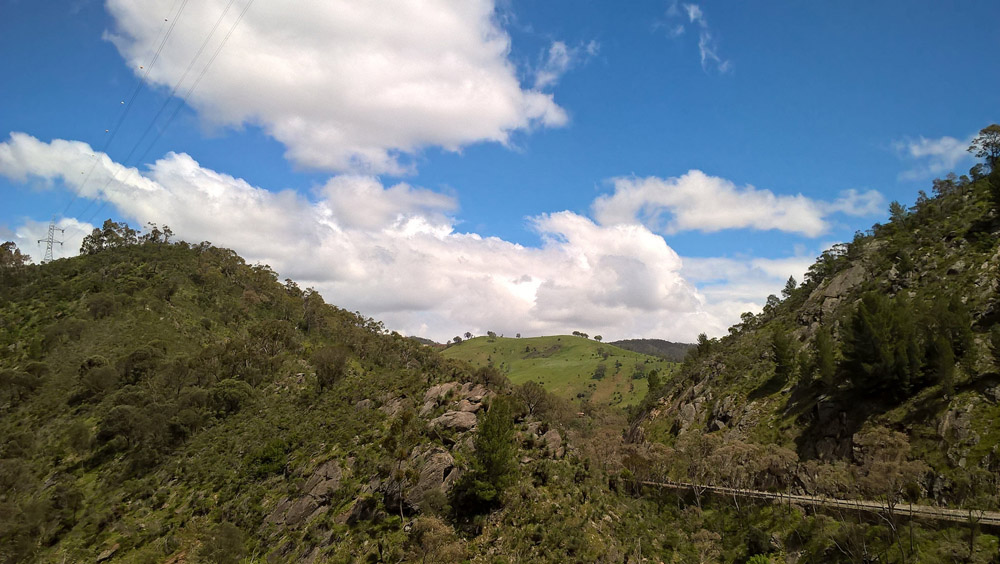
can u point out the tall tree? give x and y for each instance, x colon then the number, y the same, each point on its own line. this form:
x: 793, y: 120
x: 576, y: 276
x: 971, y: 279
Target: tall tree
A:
x: 823, y: 358
x: 784, y: 354
x: 986, y: 145
x: 881, y: 349
x: 12, y: 261
x: 789, y: 288
x: 495, y: 465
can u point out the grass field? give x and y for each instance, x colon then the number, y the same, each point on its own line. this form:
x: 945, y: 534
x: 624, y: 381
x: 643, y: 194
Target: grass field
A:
x: 565, y: 365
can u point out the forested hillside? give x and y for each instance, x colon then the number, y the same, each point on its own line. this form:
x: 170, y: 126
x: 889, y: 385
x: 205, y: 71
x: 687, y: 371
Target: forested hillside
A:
x: 877, y: 377
x: 166, y: 402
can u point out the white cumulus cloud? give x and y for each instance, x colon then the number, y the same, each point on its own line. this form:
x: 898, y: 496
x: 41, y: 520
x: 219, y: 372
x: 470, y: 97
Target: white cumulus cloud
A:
x: 697, y: 201
x: 393, y: 252
x: 350, y: 85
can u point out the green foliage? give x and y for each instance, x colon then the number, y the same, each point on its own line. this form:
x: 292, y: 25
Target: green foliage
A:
x: 12, y: 263
x: 986, y: 145
x: 494, y: 467
x: 881, y: 348
x: 783, y: 351
x: 101, y: 305
x: 823, y: 357
x: 111, y: 235
x: 600, y: 371
x: 941, y: 358
x: 223, y: 545
x: 268, y: 459
x: 495, y: 447
x: 654, y: 380
x: 330, y: 364
x: 231, y: 395
x: 533, y: 397
x: 789, y: 288
x: 995, y: 346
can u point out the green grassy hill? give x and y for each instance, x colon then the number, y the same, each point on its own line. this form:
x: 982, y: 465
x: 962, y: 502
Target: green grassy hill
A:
x: 566, y: 365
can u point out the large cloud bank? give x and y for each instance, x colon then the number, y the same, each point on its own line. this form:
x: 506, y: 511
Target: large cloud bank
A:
x: 351, y: 85
x: 392, y: 252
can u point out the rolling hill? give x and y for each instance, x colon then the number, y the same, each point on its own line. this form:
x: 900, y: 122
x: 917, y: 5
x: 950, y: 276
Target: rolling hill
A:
x: 566, y: 364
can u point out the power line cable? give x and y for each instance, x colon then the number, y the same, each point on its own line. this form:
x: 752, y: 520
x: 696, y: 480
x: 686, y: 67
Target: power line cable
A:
x: 177, y: 85
x: 128, y: 106
x: 187, y: 95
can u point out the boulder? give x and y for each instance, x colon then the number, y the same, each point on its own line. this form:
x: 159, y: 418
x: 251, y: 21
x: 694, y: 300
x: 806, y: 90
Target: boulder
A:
x: 554, y: 444
x: 687, y: 414
x: 437, y: 466
x: 458, y: 420
x: 278, y: 514
x: 439, y: 391
x: 107, y: 554
x: 301, y: 509
x: 361, y: 509
x: 324, y: 481
x: 466, y: 405
x: 473, y: 392
x: 552, y: 440
x: 427, y: 408
x: 392, y: 407
x: 717, y: 425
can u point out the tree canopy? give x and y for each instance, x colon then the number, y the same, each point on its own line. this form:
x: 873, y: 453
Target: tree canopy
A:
x: 986, y: 145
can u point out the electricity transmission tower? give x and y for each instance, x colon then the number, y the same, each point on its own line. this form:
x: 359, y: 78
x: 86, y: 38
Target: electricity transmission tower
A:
x: 50, y: 240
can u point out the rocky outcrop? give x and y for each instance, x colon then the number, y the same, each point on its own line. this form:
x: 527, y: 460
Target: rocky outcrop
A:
x: 554, y: 443
x: 723, y: 413
x: 324, y: 481
x: 457, y: 420
x: 317, y: 490
x: 361, y: 509
x: 108, y: 553
x: 440, y: 391
x: 469, y: 397
x: 825, y: 300
x: 437, y: 473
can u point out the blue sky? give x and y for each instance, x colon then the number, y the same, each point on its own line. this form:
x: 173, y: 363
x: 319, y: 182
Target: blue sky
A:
x: 632, y: 169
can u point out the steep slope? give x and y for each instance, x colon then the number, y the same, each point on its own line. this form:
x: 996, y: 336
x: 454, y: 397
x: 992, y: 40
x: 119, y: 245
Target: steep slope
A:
x: 572, y: 367
x: 877, y: 378
x: 170, y: 403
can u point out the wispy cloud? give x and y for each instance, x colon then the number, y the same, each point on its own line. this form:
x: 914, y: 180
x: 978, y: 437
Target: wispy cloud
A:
x: 708, y: 46
x: 932, y: 157
x: 559, y: 59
